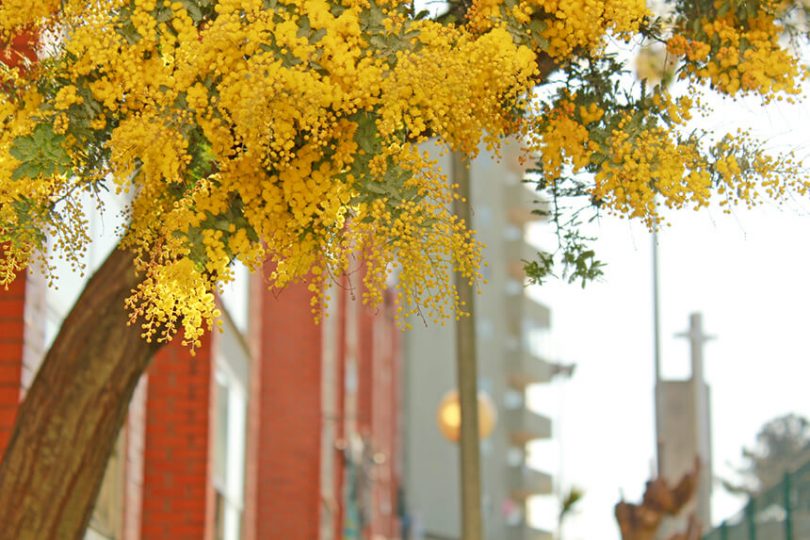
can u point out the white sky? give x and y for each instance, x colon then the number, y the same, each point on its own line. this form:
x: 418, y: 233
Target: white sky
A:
x: 747, y: 274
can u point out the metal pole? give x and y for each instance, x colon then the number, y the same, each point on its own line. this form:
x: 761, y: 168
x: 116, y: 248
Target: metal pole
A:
x: 656, y: 310
x: 659, y: 443
x: 786, y: 494
x: 467, y: 374
x: 750, y: 519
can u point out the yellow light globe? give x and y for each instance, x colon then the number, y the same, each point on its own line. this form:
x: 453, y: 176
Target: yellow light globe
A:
x: 448, y: 416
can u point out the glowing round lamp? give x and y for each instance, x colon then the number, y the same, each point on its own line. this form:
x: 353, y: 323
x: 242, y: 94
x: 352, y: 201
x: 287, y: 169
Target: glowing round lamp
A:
x: 449, y: 416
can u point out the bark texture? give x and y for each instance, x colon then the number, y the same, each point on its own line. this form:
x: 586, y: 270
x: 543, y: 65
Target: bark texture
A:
x: 67, y: 425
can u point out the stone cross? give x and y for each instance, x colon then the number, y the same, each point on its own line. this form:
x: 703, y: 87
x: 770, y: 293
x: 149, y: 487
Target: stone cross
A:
x: 696, y: 339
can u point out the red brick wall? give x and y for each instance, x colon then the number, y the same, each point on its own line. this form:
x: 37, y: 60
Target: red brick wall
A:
x: 385, y: 421
x: 288, y: 461
x: 397, y: 424
x: 341, y: 407
x: 176, y: 446
x: 22, y: 52
x: 12, y: 300
x: 12, y: 330
x: 365, y: 368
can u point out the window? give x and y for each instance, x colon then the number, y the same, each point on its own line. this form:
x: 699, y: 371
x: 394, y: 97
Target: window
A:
x: 235, y: 296
x: 536, y: 339
x: 106, y: 521
x: 230, y: 408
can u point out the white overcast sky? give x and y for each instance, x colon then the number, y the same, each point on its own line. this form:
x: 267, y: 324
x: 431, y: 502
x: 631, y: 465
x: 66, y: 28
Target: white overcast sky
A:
x: 746, y: 272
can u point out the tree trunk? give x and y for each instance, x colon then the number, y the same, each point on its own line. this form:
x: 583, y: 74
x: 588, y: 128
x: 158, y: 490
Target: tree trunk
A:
x: 69, y: 420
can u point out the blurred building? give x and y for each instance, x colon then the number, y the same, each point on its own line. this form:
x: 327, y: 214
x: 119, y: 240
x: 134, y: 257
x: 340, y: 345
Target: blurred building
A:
x: 511, y: 329
x: 278, y: 428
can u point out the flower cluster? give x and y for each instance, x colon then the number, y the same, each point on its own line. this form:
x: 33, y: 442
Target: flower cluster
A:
x: 288, y: 132
x: 562, y: 29
x: 641, y: 154
x: 736, y: 46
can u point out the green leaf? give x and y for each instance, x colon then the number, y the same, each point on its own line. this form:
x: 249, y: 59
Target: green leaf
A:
x: 164, y: 15
x: 371, y: 21
x: 378, y: 42
x: 540, y: 269
x: 23, y: 149
x: 40, y: 153
x: 304, y: 27
x: 317, y: 35
x: 26, y: 170
x: 375, y: 187
x: 193, y: 8
x: 366, y: 135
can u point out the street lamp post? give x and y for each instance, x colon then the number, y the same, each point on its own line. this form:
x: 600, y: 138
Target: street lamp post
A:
x: 467, y: 373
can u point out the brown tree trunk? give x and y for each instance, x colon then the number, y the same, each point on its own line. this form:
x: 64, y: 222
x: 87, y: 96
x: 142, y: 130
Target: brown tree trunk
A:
x: 68, y: 422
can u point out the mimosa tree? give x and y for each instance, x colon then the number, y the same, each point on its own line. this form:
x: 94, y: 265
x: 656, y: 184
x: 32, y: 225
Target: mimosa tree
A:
x: 288, y: 131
